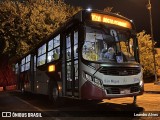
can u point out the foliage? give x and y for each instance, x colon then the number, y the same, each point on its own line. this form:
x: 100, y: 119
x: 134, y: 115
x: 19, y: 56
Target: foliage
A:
x: 108, y: 9
x: 146, y: 54
x: 26, y: 23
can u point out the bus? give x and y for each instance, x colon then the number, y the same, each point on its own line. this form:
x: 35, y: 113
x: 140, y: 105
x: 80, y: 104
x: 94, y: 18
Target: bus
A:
x: 92, y: 56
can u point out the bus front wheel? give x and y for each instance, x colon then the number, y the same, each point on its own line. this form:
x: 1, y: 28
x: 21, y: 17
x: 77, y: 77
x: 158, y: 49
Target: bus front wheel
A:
x: 134, y: 99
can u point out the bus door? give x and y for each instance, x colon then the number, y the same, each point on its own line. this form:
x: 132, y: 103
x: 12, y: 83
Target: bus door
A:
x: 71, y: 63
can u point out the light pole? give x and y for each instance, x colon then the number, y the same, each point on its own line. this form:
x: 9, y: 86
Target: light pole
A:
x: 151, y: 27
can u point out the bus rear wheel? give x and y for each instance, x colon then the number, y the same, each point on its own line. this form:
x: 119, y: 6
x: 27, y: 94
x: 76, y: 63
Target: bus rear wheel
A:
x: 134, y: 99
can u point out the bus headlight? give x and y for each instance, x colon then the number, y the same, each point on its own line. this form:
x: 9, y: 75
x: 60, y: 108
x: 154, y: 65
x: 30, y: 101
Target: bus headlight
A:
x: 97, y: 81
x: 87, y: 76
x: 90, y: 78
x: 141, y: 83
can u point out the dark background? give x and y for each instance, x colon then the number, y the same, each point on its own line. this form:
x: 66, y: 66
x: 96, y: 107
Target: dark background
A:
x: 132, y: 9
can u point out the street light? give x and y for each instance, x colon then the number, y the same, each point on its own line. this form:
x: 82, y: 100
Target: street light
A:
x: 149, y: 7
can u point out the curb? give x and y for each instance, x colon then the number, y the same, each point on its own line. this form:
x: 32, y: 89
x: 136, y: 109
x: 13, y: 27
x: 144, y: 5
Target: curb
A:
x: 152, y: 92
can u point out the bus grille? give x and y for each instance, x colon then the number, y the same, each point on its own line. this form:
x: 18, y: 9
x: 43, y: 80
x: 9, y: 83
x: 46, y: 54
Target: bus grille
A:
x: 116, y: 89
x: 120, y: 71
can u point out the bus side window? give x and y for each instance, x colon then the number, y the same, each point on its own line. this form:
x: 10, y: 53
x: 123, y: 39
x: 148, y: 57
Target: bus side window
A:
x: 76, y: 44
x: 68, y: 46
x: 16, y: 68
x: 53, y: 49
x: 41, y: 59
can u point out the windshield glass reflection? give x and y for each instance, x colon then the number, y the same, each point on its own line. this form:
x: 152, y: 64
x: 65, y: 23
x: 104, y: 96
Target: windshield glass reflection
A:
x: 108, y: 45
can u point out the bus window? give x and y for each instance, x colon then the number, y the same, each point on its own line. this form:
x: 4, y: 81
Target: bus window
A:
x: 92, y: 46
x: 53, y: 49
x: 102, y: 47
x: 57, y: 41
x: 41, y: 60
x: 50, y: 56
x: 23, y: 61
x: 50, y: 45
x: 16, y: 68
x: 27, y: 65
x: 68, y: 46
x: 76, y: 73
x: 42, y: 50
x: 22, y: 68
x: 23, y: 65
x: 69, y: 76
x: 75, y: 44
x: 35, y: 63
x: 53, y: 55
x: 41, y: 55
x: 56, y: 53
x: 126, y: 45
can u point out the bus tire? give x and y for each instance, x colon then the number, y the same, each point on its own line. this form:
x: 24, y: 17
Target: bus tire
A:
x: 134, y: 100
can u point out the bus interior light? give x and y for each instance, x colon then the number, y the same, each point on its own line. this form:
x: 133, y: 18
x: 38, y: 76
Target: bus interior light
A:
x: 51, y: 68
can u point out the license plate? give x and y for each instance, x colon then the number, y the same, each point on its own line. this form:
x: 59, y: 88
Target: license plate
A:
x: 125, y: 91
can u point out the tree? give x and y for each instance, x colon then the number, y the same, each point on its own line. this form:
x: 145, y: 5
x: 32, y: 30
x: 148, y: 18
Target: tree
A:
x: 108, y: 9
x: 146, y: 55
x: 24, y: 24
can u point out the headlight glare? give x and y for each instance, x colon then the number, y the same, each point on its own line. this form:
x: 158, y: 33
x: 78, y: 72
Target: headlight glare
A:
x: 141, y: 83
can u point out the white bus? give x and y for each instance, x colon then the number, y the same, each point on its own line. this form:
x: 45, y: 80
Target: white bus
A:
x: 94, y: 55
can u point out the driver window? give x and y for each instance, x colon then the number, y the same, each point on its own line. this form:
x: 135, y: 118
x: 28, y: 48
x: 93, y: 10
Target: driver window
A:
x: 131, y: 48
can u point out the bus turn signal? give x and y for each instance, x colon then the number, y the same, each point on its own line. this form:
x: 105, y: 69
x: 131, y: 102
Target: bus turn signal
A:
x: 51, y: 68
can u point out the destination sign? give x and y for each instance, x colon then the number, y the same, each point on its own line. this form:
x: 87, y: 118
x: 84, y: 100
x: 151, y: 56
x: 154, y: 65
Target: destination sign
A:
x: 110, y: 20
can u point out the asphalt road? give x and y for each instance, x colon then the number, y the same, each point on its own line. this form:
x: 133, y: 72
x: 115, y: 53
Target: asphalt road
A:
x: 122, y: 108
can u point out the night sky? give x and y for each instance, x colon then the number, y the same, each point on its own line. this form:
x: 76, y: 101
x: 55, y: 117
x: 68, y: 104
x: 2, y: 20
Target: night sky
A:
x: 132, y: 9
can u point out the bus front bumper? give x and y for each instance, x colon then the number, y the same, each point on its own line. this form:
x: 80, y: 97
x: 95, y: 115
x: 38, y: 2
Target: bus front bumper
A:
x: 91, y: 91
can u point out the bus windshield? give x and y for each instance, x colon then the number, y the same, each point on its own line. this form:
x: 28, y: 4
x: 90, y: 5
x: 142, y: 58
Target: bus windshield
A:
x: 104, y: 44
